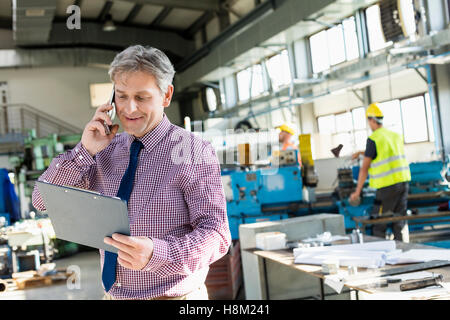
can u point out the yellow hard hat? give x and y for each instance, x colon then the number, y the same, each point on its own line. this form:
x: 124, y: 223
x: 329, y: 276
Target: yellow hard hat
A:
x: 374, y: 111
x: 287, y: 129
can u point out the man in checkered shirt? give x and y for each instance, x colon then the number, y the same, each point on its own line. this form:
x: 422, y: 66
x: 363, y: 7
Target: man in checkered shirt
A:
x: 177, y: 207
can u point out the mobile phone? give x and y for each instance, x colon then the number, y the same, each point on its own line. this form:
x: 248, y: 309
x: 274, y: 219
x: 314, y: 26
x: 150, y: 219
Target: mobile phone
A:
x: 111, y: 113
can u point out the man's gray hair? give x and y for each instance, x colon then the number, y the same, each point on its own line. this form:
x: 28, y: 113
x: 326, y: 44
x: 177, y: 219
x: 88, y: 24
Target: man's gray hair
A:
x: 146, y: 59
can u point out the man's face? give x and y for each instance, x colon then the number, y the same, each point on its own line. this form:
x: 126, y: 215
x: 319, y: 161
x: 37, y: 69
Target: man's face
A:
x: 284, y: 137
x: 373, y: 124
x: 139, y: 102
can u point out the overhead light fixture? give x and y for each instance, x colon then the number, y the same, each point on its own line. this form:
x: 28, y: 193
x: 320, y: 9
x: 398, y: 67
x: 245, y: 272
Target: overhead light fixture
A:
x: 35, y: 12
x: 109, y: 24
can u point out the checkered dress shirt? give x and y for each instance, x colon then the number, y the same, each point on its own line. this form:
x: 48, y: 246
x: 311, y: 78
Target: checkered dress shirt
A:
x: 178, y: 201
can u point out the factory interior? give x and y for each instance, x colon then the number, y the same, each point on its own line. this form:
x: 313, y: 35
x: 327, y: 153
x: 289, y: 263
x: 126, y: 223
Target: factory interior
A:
x: 328, y: 119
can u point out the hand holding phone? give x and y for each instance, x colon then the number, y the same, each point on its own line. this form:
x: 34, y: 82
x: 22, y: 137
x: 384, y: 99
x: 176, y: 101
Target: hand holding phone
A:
x: 100, y: 131
x: 111, y: 113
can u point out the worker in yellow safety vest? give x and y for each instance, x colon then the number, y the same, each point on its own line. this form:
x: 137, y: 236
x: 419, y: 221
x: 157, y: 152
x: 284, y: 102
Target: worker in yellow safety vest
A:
x: 285, y: 136
x: 385, y: 163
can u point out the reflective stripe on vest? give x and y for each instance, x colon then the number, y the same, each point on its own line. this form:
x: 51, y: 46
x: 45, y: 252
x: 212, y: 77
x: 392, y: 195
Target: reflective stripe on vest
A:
x: 390, y: 166
x: 385, y: 174
x: 380, y: 163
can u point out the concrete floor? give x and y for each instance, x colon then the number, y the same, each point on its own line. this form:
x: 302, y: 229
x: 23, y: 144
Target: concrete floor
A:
x: 90, y: 285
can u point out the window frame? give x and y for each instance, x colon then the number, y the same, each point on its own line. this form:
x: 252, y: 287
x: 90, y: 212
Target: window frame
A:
x: 426, y: 117
x: 263, y: 84
x: 269, y: 78
x: 367, y: 129
x: 346, y: 60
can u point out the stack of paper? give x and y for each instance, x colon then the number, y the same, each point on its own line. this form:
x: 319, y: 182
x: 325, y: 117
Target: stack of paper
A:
x: 417, y: 255
x: 364, y: 255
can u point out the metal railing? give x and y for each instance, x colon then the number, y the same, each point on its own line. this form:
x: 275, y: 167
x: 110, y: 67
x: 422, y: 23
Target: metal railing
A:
x: 16, y: 119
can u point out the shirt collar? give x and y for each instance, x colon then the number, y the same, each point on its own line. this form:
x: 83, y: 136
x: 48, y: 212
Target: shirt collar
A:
x: 153, y: 137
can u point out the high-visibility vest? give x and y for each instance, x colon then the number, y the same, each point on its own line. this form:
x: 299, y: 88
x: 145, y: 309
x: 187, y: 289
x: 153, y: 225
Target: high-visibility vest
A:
x: 390, y: 166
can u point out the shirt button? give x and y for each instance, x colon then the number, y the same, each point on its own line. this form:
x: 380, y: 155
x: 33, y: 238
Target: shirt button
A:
x: 76, y: 149
x: 118, y: 284
x: 57, y: 165
x: 81, y: 157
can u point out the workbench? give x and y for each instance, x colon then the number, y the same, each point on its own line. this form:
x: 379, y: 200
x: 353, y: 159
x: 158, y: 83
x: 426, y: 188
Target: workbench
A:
x: 286, y: 257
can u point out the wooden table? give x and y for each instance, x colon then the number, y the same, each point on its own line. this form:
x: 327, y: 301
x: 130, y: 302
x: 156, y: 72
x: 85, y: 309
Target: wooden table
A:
x: 286, y: 257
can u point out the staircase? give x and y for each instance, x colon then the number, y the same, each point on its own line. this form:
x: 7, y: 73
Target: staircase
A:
x: 17, y: 119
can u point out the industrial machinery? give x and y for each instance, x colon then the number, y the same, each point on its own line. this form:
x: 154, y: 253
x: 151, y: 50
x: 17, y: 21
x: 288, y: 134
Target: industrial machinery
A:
x: 279, y: 187
x: 38, y: 153
x: 264, y: 194
x: 347, y: 178
x: 269, y: 193
x: 428, y: 192
x: 37, y: 156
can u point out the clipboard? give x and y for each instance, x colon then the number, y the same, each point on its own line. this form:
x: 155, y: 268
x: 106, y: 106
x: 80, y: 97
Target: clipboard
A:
x: 84, y: 216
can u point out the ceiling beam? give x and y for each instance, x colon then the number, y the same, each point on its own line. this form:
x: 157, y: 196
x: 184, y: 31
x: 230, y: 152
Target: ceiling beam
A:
x: 92, y: 34
x: 133, y: 13
x: 191, y: 4
x: 105, y: 10
x: 264, y: 22
x: 161, y: 16
x: 228, y: 6
x: 199, y: 23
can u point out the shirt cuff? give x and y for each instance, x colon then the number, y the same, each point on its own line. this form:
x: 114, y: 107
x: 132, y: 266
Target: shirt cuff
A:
x: 81, y: 156
x: 160, y: 255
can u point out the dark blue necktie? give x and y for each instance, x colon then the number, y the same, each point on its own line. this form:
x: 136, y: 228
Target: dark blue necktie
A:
x: 126, y: 185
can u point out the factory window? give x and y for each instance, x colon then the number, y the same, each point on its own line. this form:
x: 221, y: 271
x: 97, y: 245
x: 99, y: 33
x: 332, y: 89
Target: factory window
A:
x: 344, y: 122
x: 374, y: 29
x: 348, y: 129
x: 327, y: 124
x: 359, y: 118
x: 392, y: 115
x: 414, y: 119
x: 279, y: 71
x: 410, y: 117
x: 360, y: 139
x: 319, y: 52
x: 230, y: 90
x: 351, y: 39
x: 100, y: 93
x: 222, y: 92
x: 250, y: 79
x: 334, y: 45
x: 360, y: 127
